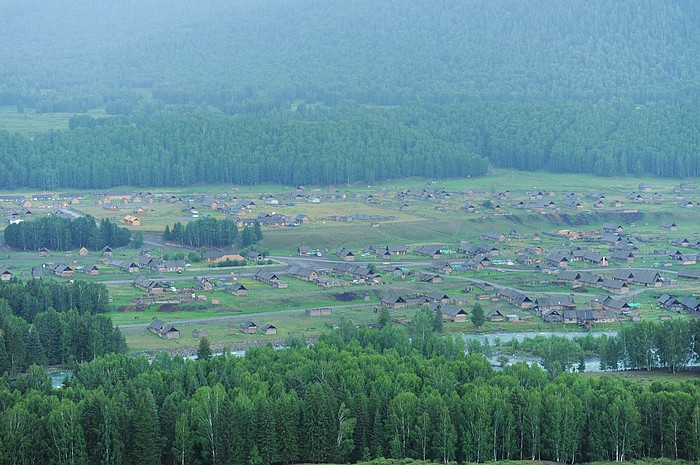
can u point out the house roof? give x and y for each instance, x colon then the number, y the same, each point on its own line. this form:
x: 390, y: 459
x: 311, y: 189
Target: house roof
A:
x: 588, y: 278
x: 563, y: 301
x: 436, y: 295
x: 393, y: 299
x: 516, y: 296
x: 452, y: 310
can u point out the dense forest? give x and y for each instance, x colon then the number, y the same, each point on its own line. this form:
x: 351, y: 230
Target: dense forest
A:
x: 347, y: 143
x: 356, y: 395
x: 308, y: 92
x: 204, y: 232
x: 58, y: 233
x: 97, y: 53
x: 44, y: 322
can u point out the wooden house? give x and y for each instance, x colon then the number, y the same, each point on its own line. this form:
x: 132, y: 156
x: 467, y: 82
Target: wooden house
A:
x: 164, y: 330
x: 238, y: 289
x: 249, y: 327
x: 345, y: 254
x: 615, y: 286
x: 440, y: 266
x: 394, y: 301
x: 669, y: 226
x: 493, y: 236
x: 434, y: 251
x: 452, y: 313
x: 149, y: 285
x: 647, y: 278
x: 302, y: 272
x: 324, y: 311
x: 430, y: 278
x: 131, y: 220
x: 62, y: 270
x: 494, y: 315
x: 514, y: 297
x: 269, y: 330
x: 254, y: 256
x: 544, y: 304
x: 269, y: 277
x: 203, y: 284
x: 91, y: 270
x: 221, y: 256
x: 438, y: 297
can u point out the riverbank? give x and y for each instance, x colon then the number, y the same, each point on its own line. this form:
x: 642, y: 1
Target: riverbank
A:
x: 217, y: 349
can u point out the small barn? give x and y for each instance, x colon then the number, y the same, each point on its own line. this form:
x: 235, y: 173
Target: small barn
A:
x: 268, y: 330
x: 452, y: 313
x: 164, y: 330
x: 249, y: 327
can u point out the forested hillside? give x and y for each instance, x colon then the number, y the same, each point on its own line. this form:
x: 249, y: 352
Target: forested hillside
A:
x: 327, y: 92
x: 354, y: 396
x: 387, y: 52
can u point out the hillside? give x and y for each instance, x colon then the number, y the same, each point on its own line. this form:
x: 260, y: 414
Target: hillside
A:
x: 326, y: 92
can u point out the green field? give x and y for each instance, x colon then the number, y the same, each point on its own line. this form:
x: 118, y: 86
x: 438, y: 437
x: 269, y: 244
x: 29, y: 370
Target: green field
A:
x: 29, y: 123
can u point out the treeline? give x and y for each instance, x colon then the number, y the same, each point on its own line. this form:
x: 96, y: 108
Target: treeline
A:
x: 240, y: 150
x: 203, y: 232
x: 349, y: 142
x: 609, y: 138
x: 57, y: 233
x: 45, y: 322
x: 579, y: 51
x: 354, y: 395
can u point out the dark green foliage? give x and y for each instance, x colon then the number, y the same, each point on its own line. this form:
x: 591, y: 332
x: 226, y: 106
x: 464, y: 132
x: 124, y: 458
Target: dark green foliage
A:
x: 258, y: 231
x: 204, y: 232
x: 204, y: 349
x: 247, y: 237
x: 137, y: 240
x: 35, y: 351
x: 349, y: 401
x: 477, y: 315
x: 77, y: 332
x: 56, y: 233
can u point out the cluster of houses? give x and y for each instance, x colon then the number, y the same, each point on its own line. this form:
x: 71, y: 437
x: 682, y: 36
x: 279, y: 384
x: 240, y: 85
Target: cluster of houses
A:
x: 438, y: 302
x: 678, y: 304
x: 328, y: 276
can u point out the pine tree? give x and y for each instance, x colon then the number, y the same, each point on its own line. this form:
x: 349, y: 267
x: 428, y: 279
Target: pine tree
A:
x: 438, y: 322
x: 48, y: 326
x: 258, y: 231
x: 145, y: 444
x: 204, y: 349
x: 478, y: 318
x: 384, y: 317
x: 35, y: 351
x: 247, y: 237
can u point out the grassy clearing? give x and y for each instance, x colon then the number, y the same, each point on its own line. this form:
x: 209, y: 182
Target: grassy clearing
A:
x: 31, y: 123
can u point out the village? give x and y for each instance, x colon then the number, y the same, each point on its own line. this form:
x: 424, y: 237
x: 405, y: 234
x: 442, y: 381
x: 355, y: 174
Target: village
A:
x: 570, y: 259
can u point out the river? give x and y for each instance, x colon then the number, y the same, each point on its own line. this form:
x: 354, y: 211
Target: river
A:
x: 592, y: 363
